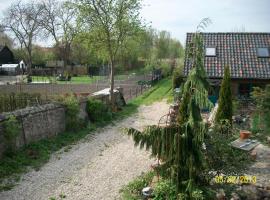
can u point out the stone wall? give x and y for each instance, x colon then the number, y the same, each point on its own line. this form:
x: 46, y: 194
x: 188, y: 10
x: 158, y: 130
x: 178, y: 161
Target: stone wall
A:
x: 47, y: 120
x: 36, y: 122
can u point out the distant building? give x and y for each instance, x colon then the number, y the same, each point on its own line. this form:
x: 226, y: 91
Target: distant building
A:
x: 6, y: 55
x: 246, y: 54
x: 12, y: 69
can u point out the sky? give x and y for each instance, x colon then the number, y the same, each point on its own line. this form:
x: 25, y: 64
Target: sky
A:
x: 182, y: 16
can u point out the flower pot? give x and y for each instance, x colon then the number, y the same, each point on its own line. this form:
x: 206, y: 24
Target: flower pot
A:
x: 244, y: 134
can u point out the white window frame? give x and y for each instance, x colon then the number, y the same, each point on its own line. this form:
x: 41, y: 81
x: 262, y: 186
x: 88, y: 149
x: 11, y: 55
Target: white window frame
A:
x: 264, y: 49
x: 210, y: 51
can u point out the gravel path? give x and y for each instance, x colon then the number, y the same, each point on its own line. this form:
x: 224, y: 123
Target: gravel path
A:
x: 261, y: 168
x: 95, y: 168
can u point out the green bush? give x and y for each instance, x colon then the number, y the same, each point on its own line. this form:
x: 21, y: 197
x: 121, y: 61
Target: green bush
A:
x: 165, y: 189
x: 12, y: 129
x: 73, y: 122
x: 225, y: 105
x: 98, y: 111
x: 255, y: 123
x: 165, y: 67
x: 222, y: 157
x: 177, y: 79
x: 262, y: 101
x: 236, y: 105
x: 224, y: 126
x: 134, y: 189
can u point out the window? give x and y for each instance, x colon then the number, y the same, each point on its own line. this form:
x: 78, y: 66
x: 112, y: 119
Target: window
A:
x: 263, y: 52
x: 210, y: 51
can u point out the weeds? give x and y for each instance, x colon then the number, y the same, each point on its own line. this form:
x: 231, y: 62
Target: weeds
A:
x: 38, y: 153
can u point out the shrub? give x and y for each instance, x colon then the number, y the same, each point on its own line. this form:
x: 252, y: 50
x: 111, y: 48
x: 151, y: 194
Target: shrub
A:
x: 225, y: 107
x: 98, y: 111
x: 165, y: 189
x: 165, y: 68
x: 236, y: 105
x: 134, y: 189
x: 224, y: 126
x: 12, y: 129
x: 262, y: 100
x: 255, y: 123
x: 224, y: 158
x: 72, y: 111
x: 177, y: 79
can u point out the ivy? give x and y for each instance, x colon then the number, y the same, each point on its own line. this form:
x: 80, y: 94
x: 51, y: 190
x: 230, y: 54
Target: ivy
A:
x: 12, y: 129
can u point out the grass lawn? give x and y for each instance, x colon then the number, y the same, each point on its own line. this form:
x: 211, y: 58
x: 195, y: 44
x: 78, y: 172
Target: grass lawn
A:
x: 76, y: 79
x: 162, y: 90
x: 37, y: 154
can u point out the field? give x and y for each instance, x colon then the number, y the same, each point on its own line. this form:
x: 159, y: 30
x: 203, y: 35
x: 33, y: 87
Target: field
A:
x: 76, y: 79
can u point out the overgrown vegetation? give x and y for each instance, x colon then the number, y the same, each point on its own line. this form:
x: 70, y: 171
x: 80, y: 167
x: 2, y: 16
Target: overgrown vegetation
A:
x: 12, y: 129
x: 10, y: 102
x: 260, y: 119
x: 98, y: 111
x: 262, y: 101
x: 36, y: 154
x: 177, y: 78
x: 71, y: 103
x: 223, y: 158
x: 133, y: 191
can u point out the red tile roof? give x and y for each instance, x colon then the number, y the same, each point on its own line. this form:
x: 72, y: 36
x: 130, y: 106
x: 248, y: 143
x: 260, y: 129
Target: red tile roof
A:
x: 236, y: 50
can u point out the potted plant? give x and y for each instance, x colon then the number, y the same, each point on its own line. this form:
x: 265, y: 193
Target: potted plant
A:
x: 244, y: 134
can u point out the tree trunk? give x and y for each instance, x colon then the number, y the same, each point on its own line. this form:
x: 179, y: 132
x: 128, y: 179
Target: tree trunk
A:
x: 112, y: 86
x: 29, y: 67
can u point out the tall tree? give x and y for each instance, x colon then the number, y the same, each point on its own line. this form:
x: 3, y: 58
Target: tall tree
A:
x: 22, y: 19
x: 180, y: 146
x: 110, y: 22
x: 225, y: 105
x: 59, y: 21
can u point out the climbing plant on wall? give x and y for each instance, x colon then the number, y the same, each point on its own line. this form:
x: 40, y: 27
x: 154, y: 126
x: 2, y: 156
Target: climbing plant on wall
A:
x: 180, y: 146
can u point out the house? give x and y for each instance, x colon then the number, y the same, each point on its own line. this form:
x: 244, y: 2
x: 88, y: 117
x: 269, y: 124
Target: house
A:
x: 246, y: 54
x: 6, y: 55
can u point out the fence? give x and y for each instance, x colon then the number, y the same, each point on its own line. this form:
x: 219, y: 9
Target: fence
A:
x: 12, y: 101
x: 13, y: 98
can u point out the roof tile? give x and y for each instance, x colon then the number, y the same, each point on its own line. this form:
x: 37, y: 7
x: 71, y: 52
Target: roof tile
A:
x: 239, y: 51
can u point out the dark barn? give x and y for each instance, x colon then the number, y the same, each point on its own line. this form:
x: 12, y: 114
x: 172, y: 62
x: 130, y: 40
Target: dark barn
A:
x: 6, y: 55
x: 246, y: 54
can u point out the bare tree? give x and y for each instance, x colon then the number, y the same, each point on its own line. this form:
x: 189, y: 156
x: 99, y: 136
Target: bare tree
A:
x: 59, y: 21
x: 22, y: 19
x: 5, y: 39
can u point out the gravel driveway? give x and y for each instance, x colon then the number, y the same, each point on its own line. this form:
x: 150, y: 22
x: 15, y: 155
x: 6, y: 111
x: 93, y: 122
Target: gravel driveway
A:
x: 95, y: 168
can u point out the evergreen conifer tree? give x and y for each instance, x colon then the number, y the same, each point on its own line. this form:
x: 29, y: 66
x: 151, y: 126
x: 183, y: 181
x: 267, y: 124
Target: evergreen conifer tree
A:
x: 180, y: 146
x: 225, y: 105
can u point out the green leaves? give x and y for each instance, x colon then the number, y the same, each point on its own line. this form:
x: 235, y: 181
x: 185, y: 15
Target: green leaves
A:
x: 225, y: 105
x: 12, y: 129
x: 98, y: 111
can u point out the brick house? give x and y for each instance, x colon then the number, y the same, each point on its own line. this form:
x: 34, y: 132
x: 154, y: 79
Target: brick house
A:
x: 247, y: 55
